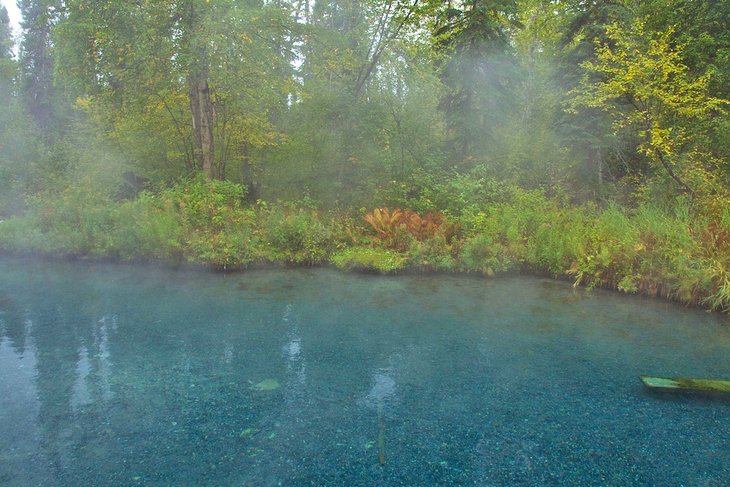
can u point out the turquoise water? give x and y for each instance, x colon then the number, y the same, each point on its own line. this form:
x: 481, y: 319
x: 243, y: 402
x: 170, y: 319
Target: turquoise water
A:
x: 121, y: 375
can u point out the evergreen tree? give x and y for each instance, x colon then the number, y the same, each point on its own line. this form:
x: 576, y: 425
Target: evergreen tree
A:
x: 6, y: 38
x: 7, y: 65
x: 474, y: 40
x: 17, y: 137
x: 36, y: 62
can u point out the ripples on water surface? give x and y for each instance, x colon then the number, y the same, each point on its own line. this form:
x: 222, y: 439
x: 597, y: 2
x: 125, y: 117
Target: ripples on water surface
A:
x: 113, y: 375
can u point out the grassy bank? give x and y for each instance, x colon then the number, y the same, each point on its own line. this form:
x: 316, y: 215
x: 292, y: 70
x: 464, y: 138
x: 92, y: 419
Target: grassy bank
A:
x: 678, y: 252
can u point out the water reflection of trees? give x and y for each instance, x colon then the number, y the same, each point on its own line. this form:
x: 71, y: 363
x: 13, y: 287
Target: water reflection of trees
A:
x: 68, y: 351
x: 149, y: 375
x: 19, y: 440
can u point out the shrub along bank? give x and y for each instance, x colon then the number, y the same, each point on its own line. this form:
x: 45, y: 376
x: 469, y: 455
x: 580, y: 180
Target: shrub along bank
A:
x: 677, y: 252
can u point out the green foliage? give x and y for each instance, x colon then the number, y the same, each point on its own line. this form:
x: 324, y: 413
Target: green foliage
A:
x: 368, y: 259
x: 719, y: 272
x: 530, y: 231
x: 656, y: 251
x: 556, y: 244
x: 214, y: 227
x: 450, y: 192
x: 297, y: 235
x: 22, y: 234
x: 500, y: 234
x: 646, y: 87
x: 673, y: 252
x: 608, y: 251
x: 436, y: 253
x: 147, y: 228
x: 669, y: 261
x: 76, y: 221
x: 205, y: 203
x: 482, y: 253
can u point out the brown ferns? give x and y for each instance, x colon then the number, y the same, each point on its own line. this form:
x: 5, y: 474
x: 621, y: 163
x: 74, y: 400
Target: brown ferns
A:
x: 423, y: 227
x: 384, y: 221
x: 392, y: 224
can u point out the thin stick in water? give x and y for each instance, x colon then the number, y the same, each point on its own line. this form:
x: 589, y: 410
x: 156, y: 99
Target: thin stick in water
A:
x: 381, y: 437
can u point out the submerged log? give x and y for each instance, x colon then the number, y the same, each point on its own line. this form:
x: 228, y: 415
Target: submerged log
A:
x: 685, y: 384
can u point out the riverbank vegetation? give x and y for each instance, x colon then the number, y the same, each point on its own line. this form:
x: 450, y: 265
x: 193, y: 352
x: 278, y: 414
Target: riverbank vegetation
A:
x: 581, y: 140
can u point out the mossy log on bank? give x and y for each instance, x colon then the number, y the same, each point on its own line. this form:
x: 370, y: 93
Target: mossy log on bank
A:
x: 686, y: 384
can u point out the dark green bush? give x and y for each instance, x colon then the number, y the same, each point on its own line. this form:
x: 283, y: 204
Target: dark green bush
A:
x: 205, y: 203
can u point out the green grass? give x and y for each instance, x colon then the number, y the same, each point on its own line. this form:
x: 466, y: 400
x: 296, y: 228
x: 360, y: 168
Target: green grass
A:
x: 369, y: 259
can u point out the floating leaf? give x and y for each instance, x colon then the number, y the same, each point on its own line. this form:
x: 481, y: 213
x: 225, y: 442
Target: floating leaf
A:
x: 248, y: 432
x: 267, y: 385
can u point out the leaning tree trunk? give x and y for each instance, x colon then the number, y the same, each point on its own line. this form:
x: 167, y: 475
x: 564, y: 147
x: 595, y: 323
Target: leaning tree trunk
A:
x: 202, y: 113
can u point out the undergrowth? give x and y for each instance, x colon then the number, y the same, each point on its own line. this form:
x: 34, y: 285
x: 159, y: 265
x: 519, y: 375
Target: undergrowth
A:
x: 679, y: 252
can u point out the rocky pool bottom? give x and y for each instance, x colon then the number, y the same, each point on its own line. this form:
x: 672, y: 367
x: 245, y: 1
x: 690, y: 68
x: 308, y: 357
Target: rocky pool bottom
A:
x: 123, y: 375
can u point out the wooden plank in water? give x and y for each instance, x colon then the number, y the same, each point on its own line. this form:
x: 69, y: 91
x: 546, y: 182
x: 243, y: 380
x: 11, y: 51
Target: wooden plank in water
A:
x: 685, y: 384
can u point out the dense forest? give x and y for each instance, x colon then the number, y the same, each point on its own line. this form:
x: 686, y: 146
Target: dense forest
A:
x: 585, y: 139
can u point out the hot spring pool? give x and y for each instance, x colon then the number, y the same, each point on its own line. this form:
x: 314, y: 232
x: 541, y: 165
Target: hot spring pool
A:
x: 121, y: 375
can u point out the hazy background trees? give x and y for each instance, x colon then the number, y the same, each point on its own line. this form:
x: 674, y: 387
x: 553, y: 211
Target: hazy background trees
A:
x: 350, y: 103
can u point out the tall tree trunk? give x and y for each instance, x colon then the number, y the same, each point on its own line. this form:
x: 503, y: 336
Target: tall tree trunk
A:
x: 202, y: 112
x: 207, y: 143
x: 201, y: 108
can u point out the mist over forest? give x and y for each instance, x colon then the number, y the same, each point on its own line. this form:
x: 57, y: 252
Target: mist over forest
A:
x: 587, y: 140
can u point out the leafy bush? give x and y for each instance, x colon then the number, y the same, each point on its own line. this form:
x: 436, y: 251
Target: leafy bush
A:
x: 499, y: 236
x: 483, y: 254
x: 76, y: 221
x: 450, y: 192
x: 227, y: 248
x: 431, y: 254
x: 215, y: 229
x: 22, y: 234
x: 205, y: 203
x: 147, y: 228
x: 297, y: 236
